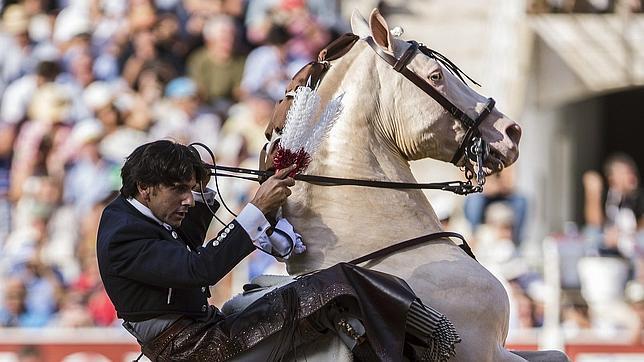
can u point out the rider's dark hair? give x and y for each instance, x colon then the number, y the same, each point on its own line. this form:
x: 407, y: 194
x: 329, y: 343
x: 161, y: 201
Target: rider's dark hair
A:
x: 160, y: 163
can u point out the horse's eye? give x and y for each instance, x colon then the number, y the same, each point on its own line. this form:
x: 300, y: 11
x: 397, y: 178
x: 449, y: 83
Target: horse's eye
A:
x: 436, y: 76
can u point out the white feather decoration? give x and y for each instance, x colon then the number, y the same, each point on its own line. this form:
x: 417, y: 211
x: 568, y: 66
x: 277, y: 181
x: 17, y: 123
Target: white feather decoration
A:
x: 303, y: 132
x: 324, y: 125
x: 300, y: 118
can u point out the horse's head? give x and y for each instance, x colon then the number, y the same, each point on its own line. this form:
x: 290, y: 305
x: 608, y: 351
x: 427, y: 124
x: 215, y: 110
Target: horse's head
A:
x: 414, y: 119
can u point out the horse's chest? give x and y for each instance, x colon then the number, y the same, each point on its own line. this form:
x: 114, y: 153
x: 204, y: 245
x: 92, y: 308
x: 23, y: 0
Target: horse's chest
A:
x: 454, y: 284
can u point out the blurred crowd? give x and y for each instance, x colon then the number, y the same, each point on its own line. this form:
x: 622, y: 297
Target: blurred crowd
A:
x: 84, y: 82
x: 610, y: 267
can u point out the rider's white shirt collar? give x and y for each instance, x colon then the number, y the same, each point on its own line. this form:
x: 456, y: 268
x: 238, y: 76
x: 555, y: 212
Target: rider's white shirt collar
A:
x: 147, y: 212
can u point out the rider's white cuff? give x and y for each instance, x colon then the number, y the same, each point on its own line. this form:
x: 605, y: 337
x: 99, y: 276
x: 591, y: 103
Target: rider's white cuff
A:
x: 253, y: 221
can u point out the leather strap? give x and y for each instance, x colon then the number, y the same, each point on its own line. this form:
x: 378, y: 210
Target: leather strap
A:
x: 337, y: 48
x: 413, y: 242
x: 153, y: 348
x: 457, y: 187
x: 473, y: 131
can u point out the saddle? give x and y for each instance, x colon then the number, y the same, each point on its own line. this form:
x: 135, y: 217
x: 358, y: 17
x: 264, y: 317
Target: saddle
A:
x: 376, y: 315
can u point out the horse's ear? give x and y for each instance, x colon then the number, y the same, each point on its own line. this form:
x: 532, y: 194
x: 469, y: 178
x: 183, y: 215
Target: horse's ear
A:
x: 380, y: 31
x: 359, y: 25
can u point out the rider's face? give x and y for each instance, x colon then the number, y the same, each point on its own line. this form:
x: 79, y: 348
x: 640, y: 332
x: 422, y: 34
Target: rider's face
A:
x: 170, y: 203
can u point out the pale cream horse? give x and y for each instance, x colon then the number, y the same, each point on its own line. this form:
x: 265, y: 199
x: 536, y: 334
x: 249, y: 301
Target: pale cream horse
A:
x: 386, y: 122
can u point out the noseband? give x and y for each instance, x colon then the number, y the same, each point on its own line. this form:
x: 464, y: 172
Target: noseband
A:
x: 472, y: 145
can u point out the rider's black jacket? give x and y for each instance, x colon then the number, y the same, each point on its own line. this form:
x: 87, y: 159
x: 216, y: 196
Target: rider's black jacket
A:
x: 148, y: 272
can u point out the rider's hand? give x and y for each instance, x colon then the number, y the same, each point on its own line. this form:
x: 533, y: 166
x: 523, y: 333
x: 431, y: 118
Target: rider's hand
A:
x: 203, y: 183
x: 593, y: 183
x: 272, y: 193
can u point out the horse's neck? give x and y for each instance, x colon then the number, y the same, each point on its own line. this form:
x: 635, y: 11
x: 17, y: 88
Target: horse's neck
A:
x: 344, y: 222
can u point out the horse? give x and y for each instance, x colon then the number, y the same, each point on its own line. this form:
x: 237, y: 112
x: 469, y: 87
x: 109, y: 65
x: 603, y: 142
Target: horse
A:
x: 387, y: 121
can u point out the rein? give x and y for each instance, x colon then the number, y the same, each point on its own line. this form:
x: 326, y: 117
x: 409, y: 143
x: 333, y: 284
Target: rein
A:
x: 457, y: 187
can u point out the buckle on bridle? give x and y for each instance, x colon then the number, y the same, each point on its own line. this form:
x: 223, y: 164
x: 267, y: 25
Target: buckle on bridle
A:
x: 476, y: 153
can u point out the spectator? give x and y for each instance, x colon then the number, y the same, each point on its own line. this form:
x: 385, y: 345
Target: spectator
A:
x: 183, y: 117
x: 40, y: 137
x: 498, y: 188
x: 73, y: 312
x: 216, y: 68
x: 89, y: 177
x: 15, y: 59
x: 14, y: 311
x: 616, y: 209
x: 309, y: 36
x: 270, y: 67
x: 574, y: 315
x: 169, y: 42
x: 17, y: 97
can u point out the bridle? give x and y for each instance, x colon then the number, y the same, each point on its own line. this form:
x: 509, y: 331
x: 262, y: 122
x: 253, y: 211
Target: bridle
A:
x: 472, y: 145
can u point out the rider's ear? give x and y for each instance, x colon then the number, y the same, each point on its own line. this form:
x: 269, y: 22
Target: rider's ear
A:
x: 144, y: 190
x: 380, y: 31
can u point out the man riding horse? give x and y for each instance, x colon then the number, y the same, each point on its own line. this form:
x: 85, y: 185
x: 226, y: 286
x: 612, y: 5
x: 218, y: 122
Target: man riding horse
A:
x: 156, y: 265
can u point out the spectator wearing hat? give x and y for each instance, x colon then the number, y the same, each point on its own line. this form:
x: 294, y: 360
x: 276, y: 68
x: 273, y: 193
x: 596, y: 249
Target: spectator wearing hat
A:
x: 38, y: 143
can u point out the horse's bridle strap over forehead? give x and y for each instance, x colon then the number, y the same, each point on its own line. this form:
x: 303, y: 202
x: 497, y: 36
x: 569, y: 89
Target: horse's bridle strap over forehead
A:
x: 400, y: 65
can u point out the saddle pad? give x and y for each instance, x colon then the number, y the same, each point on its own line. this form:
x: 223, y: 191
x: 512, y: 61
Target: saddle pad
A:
x: 257, y: 288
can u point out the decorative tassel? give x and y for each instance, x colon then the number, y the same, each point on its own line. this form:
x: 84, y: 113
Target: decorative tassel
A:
x: 285, y: 157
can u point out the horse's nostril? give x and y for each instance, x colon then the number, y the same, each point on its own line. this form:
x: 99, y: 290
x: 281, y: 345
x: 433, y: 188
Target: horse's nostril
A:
x: 514, y: 132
